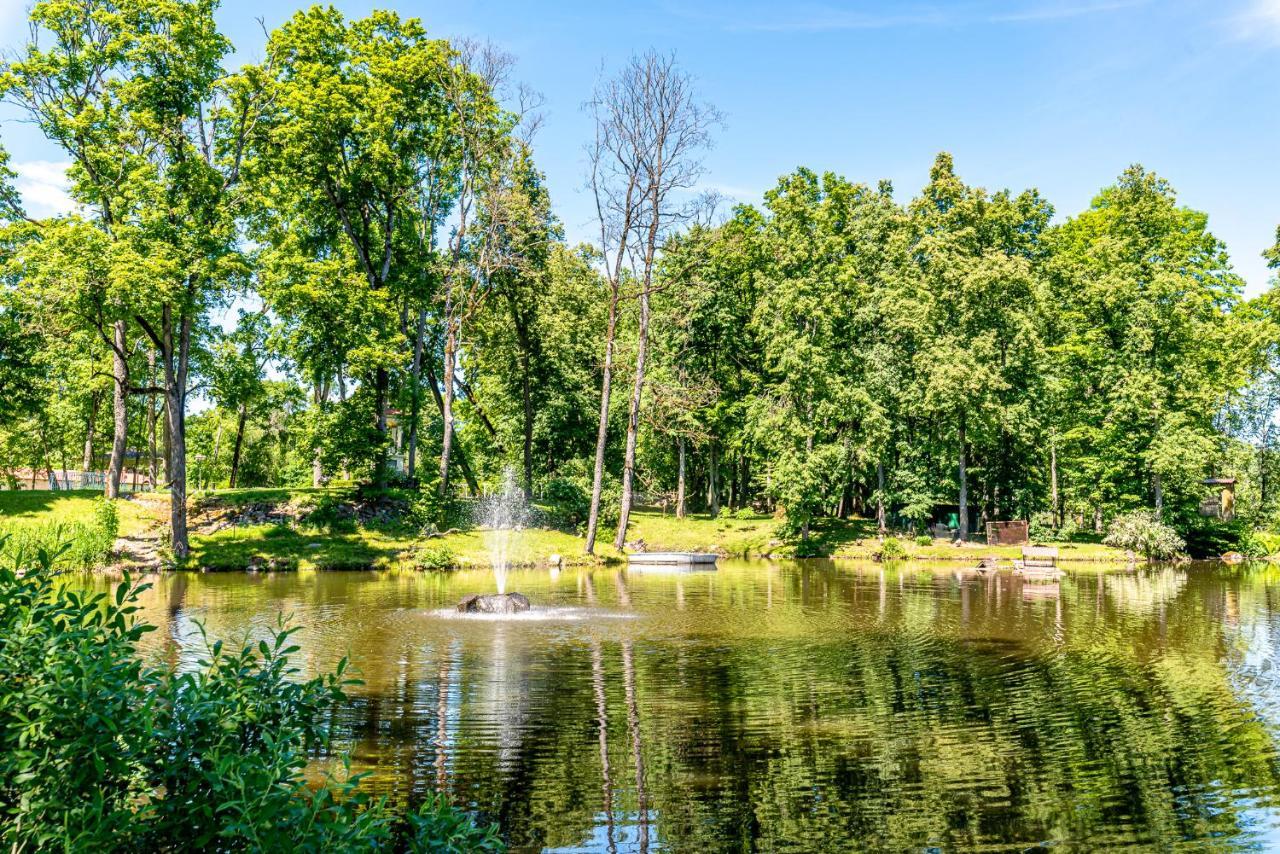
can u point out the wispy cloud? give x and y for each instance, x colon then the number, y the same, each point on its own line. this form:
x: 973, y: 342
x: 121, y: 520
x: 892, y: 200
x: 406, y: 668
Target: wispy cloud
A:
x: 810, y: 17
x: 43, y: 185
x: 1060, y: 11
x: 1260, y: 20
x: 832, y: 17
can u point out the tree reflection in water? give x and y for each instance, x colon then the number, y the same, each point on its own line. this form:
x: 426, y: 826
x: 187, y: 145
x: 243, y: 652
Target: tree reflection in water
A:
x: 802, y: 706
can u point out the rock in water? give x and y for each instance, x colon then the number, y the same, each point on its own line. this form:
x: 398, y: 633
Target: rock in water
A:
x: 493, y: 603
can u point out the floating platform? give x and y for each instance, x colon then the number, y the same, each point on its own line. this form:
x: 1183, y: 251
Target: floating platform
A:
x: 672, y: 558
x: 1037, y: 573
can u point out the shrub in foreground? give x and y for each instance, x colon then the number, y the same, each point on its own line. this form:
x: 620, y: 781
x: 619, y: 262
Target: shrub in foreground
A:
x: 100, y: 751
x: 1142, y: 532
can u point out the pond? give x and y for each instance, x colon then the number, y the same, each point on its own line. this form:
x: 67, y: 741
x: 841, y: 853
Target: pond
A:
x: 797, y: 706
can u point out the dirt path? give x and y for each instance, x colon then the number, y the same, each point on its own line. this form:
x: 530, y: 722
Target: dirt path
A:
x: 139, y: 553
x: 141, y: 550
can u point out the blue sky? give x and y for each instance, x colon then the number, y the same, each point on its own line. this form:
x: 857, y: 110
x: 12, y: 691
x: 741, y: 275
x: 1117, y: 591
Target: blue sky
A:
x: 1057, y: 95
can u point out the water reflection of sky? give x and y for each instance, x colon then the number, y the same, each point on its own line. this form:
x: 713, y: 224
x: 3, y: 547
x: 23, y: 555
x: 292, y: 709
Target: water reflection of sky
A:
x: 797, y: 707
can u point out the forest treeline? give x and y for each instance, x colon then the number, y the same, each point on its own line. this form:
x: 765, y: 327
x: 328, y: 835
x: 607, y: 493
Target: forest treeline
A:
x: 366, y: 200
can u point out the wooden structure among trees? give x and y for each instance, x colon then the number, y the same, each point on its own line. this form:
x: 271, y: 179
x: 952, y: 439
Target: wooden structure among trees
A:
x: 1007, y: 533
x: 1222, y: 504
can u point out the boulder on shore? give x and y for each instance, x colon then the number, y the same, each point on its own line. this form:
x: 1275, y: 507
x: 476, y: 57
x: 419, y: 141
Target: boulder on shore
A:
x: 493, y: 603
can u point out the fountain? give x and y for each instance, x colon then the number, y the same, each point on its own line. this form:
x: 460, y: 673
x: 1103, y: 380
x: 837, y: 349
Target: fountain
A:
x: 499, y: 516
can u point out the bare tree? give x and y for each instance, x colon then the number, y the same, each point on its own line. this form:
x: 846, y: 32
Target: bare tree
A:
x: 645, y: 160
x: 494, y: 142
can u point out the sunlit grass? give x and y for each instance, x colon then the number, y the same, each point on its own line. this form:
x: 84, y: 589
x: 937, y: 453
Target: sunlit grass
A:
x: 386, y: 545
x: 39, y: 507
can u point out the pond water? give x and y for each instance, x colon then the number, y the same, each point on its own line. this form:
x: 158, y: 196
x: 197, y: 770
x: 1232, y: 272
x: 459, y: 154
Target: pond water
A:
x: 802, y: 706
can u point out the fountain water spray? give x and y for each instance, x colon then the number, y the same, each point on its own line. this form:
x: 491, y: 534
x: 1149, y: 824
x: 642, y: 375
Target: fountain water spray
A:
x: 499, y: 516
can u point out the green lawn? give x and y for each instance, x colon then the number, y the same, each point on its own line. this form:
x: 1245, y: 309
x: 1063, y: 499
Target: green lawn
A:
x: 392, y: 545
x: 841, y: 538
x: 290, y: 546
x: 24, y: 508
x: 301, y: 548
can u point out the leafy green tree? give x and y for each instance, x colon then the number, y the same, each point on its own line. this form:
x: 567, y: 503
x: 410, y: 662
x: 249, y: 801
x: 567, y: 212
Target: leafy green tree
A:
x: 982, y: 296
x: 135, y: 93
x: 812, y: 412
x: 236, y: 374
x: 1150, y: 349
x: 18, y: 341
x: 708, y: 352
x: 360, y: 122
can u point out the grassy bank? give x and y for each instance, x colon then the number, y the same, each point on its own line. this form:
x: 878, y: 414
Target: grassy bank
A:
x: 270, y: 528
x: 76, y: 521
x: 298, y: 545
x: 24, y: 509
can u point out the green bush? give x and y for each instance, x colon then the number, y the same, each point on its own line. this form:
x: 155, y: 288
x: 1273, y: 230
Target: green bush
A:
x: 1268, y: 543
x: 610, y: 504
x: 812, y: 547
x: 1209, y: 538
x: 924, y: 541
x: 745, y: 513
x: 106, y: 518
x: 429, y: 511
x: 1040, y: 528
x: 436, y: 558
x: 332, y: 513
x: 892, y: 549
x: 564, y: 503
x: 101, y: 750
x: 1142, y: 532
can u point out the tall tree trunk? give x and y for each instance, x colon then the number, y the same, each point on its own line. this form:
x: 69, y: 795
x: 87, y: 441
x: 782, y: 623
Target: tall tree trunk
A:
x: 320, y: 395
x: 733, y: 486
x: 713, y: 479
x: 176, y: 355
x: 881, y: 518
x: 119, y: 410
x: 808, y: 448
x: 520, y: 322
x: 1055, y: 509
x: 94, y: 402
x: 446, y: 412
x: 381, y: 381
x: 964, y: 483
x: 235, y: 453
x: 1262, y: 467
x: 415, y: 401
x: 217, y: 451
x: 174, y: 346
x: 606, y: 382
x: 526, y: 396
x: 457, y: 456
x: 167, y: 445
x: 680, y: 453
x: 633, y: 422
x: 1157, y: 489
x: 153, y: 463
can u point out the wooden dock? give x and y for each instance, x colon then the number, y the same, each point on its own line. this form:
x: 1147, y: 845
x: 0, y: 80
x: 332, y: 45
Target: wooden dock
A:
x: 1039, y: 563
x: 672, y: 558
